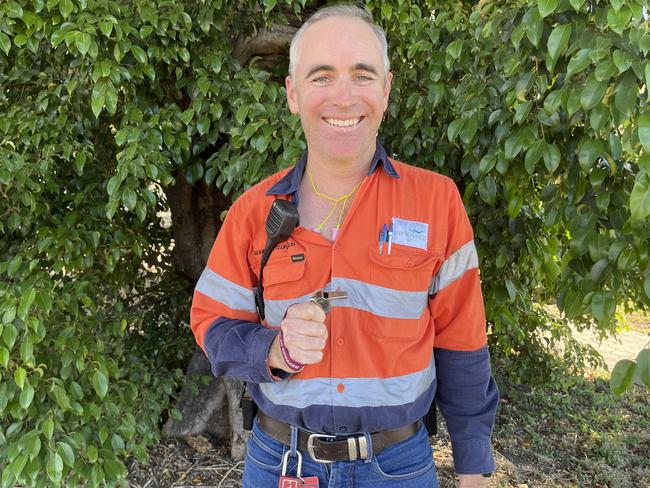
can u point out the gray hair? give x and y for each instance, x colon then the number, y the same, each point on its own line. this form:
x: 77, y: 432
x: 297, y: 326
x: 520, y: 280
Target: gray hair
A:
x: 344, y: 10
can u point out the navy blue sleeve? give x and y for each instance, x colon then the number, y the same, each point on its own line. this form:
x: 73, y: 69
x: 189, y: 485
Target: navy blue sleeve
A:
x: 240, y: 349
x: 468, y: 397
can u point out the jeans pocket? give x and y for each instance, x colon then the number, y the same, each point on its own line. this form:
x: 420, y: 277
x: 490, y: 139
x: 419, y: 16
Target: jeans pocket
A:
x: 265, y: 451
x: 406, y: 460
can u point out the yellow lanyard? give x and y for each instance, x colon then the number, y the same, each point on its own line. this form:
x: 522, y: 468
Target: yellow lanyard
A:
x: 336, y: 201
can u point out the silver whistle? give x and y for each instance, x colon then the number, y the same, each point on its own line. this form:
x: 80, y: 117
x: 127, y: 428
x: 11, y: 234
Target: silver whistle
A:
x: 323, y: 298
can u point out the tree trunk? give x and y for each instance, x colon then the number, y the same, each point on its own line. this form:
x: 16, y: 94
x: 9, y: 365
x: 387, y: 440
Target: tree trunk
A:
x: 207, y: 407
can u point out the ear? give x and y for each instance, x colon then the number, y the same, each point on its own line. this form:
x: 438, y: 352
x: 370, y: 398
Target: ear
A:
x: 292, y: 97
x: 387, y: 85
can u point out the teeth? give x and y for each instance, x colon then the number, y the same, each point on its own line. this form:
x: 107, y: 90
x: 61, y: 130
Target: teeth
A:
x: 343, y: 123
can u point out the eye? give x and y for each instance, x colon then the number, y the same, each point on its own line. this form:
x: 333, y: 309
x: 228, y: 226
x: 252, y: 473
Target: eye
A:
x: 363, y: 78
x: 321, y: 79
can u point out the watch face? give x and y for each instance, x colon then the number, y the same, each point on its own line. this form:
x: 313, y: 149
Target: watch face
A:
x: 487, y: 475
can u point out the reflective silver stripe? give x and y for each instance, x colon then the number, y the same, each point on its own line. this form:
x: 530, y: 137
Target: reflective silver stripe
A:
x: 385, y: 302
x: 225, y: 291
x: 274, y: 310
x: 455, y: 266
x: 357, y: 392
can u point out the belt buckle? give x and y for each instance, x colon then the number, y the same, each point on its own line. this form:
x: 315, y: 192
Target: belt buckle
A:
x: 310, y: 446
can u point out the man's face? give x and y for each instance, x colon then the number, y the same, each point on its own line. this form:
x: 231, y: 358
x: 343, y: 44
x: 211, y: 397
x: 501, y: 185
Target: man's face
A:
x: 339, y: 89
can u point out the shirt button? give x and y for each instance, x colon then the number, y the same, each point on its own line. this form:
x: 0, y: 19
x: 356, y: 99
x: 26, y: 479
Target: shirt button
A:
x: 343, y: 428
x: 409, y: 263
x: 340, y: 387
x: 340, y: 341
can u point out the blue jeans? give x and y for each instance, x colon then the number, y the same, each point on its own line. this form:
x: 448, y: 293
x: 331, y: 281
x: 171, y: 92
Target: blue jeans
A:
x: 408, y: 464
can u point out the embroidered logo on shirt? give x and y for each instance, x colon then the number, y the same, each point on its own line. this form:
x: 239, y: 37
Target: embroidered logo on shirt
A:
x: 410, y: 233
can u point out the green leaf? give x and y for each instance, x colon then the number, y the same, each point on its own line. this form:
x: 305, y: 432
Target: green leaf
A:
x: 204, y: 85
x: 187, y: 116
x: 48, y: 428
x: 79, y: 163
x: 66, y: 7
x: 5, y: 43
x: 534, y: 154
x: 592, y: 94
x: 640, y: 198
x: 139, y: 54
x: 622, y: 376
x: 26, y: 396
x: 618, y: 20
x: 579, y: 62
x: 522, y: 111
x: 97, y: 98
x: 66, y: 453
x: 552, y: 157
x: 605, y: 70
x: 487, y: 189
x: 603, y: 306
x: 106, y: 27
x: 513, y: 146
x: 626, y: 100
x: 454, y: 128
x: 14, y: 10
x: 559, y: 40
x: 534, y: 26
x: 577, y: 4
x: 4, y: 356
x: 644, y: 130
x: 515, y: 202
x: 643, y: 366
x: 647, y: 75
x: 100, y: 383
x: 455, y: 48
x: 26, y: 301
x: 589, y: 151
x: 92, y: 454
x: 83, y: 42
x: 468, y: 131
x: 129, y: 198
x: 54, y: 467
x: 547, y: 7
x: 19, y: 377
x: 622, y: 60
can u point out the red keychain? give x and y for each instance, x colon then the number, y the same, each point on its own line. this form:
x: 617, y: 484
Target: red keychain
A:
x: 296, y: 481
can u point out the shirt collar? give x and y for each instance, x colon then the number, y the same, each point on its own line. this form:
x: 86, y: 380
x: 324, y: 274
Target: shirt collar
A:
x: 290, y: 183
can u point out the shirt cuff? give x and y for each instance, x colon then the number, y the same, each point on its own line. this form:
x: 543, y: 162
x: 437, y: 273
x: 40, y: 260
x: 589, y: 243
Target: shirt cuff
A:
x: 473, y: 457
x: 259, y: 358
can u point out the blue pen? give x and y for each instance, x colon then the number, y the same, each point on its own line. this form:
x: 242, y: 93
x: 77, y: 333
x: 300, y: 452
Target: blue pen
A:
x: 390, y: 237
x: 382, y: 239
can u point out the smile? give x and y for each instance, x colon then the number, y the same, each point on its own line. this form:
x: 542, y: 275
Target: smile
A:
x: 343, y: 122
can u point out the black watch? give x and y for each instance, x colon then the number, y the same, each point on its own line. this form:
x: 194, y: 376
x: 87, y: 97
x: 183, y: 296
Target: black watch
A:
x: 487, y: 475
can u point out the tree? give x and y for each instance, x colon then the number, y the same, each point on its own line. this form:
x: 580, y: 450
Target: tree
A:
x: 116, y: 112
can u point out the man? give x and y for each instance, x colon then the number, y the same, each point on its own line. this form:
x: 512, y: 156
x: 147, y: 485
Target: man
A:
x: 341, y: 394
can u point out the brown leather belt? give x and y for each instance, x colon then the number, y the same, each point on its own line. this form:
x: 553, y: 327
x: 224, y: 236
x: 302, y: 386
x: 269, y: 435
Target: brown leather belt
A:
x: 324, y: 449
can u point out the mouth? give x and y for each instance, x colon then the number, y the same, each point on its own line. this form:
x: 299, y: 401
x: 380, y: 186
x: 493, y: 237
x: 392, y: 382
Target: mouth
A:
x: 343, y: 122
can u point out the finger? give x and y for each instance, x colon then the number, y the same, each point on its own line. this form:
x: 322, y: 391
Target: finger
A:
x: 305, y: 343
x: 301, y: 327
x: 306, y: 357
x: 306, y: 311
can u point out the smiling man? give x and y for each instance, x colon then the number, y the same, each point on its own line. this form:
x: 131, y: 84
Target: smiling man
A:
x: 342, y: 385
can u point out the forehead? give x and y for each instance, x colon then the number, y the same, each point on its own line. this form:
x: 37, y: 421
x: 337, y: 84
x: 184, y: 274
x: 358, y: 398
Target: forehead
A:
x: 339, y: 42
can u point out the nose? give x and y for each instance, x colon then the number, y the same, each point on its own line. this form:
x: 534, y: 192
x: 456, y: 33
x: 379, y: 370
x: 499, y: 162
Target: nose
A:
x: 344, y: 93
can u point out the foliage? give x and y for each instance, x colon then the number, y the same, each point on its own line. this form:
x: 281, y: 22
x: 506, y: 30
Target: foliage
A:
x: 574, y: 435
x: 538, y: 109
x: 626, y: 371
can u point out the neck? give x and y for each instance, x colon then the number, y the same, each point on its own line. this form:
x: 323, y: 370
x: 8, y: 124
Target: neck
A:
x: 336, y: 178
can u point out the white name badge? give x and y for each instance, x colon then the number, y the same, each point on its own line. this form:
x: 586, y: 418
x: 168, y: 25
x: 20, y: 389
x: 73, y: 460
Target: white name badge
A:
x: 410, y: 233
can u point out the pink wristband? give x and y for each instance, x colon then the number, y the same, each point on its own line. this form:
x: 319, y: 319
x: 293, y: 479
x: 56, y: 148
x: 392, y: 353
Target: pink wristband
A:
x: 293, y: 365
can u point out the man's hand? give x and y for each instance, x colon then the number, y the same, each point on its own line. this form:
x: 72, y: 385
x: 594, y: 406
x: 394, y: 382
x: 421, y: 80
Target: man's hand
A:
x: 304, y: 333
x: 472, y: 481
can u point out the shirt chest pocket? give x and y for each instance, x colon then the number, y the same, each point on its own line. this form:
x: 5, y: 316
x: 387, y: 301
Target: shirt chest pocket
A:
x: 398, y: 288
x: 405, y: 268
